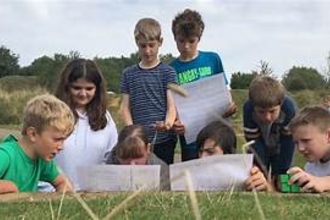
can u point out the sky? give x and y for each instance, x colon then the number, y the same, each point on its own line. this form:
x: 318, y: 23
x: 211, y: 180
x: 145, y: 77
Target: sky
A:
x: 284, y: 33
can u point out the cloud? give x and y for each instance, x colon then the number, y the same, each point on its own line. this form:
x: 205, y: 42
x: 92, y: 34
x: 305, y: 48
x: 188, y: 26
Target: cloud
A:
x: 285, y: 33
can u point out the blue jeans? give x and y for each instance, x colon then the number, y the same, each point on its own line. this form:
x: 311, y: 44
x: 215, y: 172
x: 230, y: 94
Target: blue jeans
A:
x: 188, y: 151
x: 281, y: 162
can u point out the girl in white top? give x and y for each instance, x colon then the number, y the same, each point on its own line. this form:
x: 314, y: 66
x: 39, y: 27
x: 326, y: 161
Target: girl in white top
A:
x: 82, y: 87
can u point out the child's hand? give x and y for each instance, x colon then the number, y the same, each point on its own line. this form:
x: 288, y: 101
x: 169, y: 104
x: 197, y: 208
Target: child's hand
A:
x: 306, y: 181
x: 178, y: 127
x: 257, y: 181
x: 161, y: 126
x: 230, y: 110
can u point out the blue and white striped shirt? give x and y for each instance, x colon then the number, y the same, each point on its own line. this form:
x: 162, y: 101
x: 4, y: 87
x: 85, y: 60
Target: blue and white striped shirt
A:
x: 147, y: 95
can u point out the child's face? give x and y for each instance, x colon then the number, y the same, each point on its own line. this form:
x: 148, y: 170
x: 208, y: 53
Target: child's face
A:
x: 82, y: 92
x: 48, y: 143
x: 210, y: 148
x: 137, y: 161
x: 187, y: 46
x: 268, y: 115
x: 148, y: 50
x: 313, y: 144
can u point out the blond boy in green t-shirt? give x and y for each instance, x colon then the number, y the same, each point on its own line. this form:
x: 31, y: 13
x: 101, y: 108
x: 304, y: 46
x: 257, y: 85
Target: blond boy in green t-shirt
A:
x: 24, y: 162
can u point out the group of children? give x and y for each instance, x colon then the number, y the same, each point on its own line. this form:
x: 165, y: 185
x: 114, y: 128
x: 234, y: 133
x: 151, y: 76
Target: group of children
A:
x: 75, y: 129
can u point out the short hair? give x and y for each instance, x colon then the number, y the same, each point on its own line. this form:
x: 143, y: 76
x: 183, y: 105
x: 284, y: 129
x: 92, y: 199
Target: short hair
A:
x: 188, y: 23
x: 45, y: 111
x: 221, y: 133
x: 86, y: 69
x: 266, y: 92
x: 131, y: 141
x: 311, y: 115
x: 147, y: 28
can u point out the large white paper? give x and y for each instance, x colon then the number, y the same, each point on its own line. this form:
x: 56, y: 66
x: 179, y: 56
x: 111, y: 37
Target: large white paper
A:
x: 214, y: 173
x: 207, y: 101
x: 100, y: 178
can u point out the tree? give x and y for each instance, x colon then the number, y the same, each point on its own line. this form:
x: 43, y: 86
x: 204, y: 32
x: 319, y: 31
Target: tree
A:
x: 300, y: 78
x: 263, y: 69
x: 8, y: 62
x: 241, y: 80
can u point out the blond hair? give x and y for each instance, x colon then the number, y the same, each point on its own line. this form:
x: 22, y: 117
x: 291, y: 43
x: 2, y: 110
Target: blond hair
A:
x: 311, y: 115
x: 266, y: 92
x: 147, y: 28
x: 47, y: 111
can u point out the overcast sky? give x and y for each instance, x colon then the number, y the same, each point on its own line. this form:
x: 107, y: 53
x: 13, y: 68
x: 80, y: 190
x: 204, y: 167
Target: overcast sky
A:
x: 281, y: 32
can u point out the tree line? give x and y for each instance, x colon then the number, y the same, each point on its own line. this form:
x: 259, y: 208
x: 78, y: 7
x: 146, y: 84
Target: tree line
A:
x: 47, y: 68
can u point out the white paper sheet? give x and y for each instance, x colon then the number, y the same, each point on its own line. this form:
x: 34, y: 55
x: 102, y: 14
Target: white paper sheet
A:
x: 119, y: 177
x: 207, y: 101
x: 214, y: 173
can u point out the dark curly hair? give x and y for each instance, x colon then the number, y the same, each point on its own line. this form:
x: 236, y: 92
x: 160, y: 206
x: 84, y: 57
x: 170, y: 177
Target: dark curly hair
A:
x: 188, y: 23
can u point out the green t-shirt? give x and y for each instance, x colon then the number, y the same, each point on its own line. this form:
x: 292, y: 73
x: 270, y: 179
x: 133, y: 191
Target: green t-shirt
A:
x: 17, y: 167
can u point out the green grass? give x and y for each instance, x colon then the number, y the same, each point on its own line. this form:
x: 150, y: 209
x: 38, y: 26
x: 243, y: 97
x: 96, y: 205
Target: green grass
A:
x: 174, y: 206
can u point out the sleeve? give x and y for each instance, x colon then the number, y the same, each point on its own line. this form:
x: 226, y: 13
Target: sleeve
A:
x: 50, y: 171
x: 219, y: 67
x: 124, y: 88
x: 113, y: 136
x: 289, y: 109
x: 250, y: 127
x: 4, y: 162
x: 171, y: 76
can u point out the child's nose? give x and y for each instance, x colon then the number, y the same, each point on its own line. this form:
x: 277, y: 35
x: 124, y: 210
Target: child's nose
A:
x: 83, y: 92
x: 268, y: 117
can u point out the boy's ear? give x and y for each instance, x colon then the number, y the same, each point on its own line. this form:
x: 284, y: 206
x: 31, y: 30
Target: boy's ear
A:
x: 31, y: 134
x: 328, y: 135
x: 161, y: 41
x: 149, y: 148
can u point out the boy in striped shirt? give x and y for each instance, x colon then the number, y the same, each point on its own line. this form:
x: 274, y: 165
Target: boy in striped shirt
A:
x: 146, y: 98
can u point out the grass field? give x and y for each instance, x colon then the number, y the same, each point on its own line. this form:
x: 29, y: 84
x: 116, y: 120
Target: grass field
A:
x: 167, y: 206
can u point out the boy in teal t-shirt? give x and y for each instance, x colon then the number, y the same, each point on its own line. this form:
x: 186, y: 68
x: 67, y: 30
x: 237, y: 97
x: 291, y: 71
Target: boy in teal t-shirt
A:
x: 193, y: 65
x: 25, y: 161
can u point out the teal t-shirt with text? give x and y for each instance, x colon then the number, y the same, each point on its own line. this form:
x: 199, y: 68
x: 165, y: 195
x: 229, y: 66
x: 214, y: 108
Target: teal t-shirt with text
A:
x: 204, y: 65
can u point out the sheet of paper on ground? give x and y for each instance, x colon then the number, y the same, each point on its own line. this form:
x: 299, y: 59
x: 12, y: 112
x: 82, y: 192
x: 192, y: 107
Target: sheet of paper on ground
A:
x: 214, y: 173
x: 207, y: 101
x: 100, y: 178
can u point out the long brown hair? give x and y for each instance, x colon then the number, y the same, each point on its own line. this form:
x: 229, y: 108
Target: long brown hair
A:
x: 86, y: 69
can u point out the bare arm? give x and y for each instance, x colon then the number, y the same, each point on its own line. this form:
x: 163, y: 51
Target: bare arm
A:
x: 7, y: 186
x: 171, y: 110
x: 62, y: 183
x: 309, y: 182
x: 125, y: 111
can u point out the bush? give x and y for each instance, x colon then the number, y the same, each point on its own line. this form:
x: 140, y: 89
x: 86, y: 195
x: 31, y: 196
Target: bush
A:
x: 12, y: 104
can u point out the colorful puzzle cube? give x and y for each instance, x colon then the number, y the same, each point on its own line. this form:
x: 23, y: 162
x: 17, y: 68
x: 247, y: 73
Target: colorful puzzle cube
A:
x: 285, y: 186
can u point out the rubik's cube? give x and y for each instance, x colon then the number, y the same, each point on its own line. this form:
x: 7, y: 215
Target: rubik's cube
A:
x: 286, y: 187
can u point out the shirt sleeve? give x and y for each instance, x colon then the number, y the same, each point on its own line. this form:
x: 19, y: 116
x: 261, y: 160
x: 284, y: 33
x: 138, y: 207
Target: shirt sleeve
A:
x: 4, y: 162
x: 113, y: 136
x: 250, y: 127
x: 124, y: 88
x: 171, y: 76
x: 50, y: 172
x: 289, y: 109
x: 220, y: 68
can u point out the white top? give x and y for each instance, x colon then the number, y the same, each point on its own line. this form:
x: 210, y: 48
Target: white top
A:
x: 84, y: 147
x: 318, y: 168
